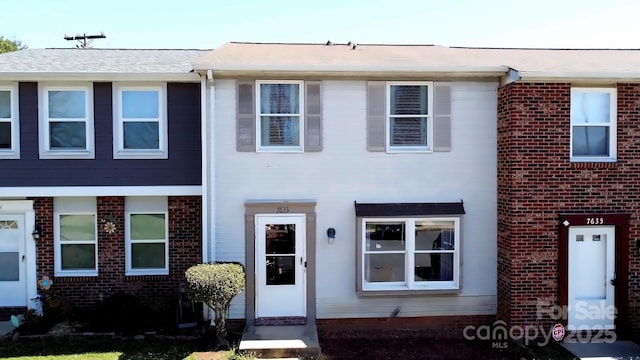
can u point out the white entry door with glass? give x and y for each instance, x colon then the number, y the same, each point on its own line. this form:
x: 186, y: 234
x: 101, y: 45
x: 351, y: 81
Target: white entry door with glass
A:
x: 13, y: 290
x: 280, y: 266
x: 591, y: 278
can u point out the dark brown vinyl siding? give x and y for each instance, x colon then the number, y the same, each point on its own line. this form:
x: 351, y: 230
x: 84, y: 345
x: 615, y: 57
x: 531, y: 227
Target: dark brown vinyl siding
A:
x: 183, y: 167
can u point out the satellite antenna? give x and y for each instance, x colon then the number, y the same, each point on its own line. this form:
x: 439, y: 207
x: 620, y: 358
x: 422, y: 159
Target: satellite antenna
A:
x: 84, y: 39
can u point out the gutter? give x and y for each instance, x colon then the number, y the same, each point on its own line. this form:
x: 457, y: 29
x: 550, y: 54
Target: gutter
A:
x: 96, y: 77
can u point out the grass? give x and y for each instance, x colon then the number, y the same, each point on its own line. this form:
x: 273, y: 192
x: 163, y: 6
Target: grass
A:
x: 99, y: 348
x: 115, y: 348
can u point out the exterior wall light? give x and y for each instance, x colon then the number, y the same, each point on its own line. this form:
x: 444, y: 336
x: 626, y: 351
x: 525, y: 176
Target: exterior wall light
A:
x: 331, y: 235
x: 37, y: 231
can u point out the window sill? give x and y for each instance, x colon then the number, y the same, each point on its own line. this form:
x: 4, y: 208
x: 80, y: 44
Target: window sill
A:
x: 147, y: 273
x: 140, y: 277
x: 84, y: 154
x: 134, y: 154
x: 594, y: 165
x: 296, y: 150
x: 409, y: 151
x: 76, y: 274
x: 403, y: 290
x: 9, y: 154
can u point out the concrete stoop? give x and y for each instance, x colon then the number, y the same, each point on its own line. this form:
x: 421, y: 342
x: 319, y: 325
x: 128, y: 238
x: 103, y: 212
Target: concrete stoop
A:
x: 288, y: 341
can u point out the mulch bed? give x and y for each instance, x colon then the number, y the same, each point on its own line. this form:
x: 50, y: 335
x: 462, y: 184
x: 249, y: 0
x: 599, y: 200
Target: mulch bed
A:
x: 410, y: 344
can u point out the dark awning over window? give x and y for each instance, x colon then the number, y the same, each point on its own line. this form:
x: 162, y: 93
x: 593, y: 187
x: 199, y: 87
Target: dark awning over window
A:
x: 409, y: 209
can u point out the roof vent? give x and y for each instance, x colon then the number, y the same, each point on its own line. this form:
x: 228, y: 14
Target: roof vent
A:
x: 329, y: 43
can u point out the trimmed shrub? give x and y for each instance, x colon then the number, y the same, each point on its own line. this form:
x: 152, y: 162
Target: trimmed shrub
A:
x: 216, y: 285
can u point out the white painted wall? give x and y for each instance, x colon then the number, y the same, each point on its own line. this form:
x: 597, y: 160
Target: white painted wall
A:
x: 345, y: 172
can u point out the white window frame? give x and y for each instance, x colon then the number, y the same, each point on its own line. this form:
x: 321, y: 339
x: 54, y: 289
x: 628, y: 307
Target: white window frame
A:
x: 73, y: 206
x: 146, y: 205
x: 119, y: 151
x: 410, y: 149
x: 14, y: 120
x: 43, y: 129
x: 300, y: 115
x: 409, y: 284
x: 613, y: 132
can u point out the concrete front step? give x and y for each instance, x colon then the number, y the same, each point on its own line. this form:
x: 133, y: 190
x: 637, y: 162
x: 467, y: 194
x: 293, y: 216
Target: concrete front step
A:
x: 280, y: 341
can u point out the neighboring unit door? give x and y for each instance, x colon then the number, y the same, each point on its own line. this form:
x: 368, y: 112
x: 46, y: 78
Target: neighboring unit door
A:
x: 280, y: 266
x: 591, y: 278
x: 13, y: 290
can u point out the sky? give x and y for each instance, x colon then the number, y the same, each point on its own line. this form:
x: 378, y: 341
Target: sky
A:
x: 207, y: 24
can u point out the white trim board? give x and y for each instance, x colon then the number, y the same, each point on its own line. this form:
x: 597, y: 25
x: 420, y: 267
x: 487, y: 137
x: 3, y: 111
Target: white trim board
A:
x: 187, y: 190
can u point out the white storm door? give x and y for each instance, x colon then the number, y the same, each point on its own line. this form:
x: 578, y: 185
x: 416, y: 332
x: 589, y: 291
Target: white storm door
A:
x: 280, y: 266
x: 591, y: 278
x: 13, y: 285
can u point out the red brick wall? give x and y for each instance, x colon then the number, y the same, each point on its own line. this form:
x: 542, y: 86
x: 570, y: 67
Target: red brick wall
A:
x: 159, y: 292
x: 536, y: 182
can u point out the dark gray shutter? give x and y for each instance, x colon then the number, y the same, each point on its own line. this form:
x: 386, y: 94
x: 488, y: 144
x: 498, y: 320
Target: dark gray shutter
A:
x: 442, y: 116
x: 376, y: 115
x: 245, y: 117
x: 313, y: 117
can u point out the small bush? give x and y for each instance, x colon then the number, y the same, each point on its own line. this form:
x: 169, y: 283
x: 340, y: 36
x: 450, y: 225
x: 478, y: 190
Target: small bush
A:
x: 216, y: 285
x: 62, y: 329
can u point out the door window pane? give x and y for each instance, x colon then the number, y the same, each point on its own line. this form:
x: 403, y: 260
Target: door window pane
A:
x: 9, y: 266
x: 280, y: 239
x: 281, y: 270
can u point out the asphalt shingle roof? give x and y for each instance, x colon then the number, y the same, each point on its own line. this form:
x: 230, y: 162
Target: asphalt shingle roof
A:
x: 343, y: 57
x: 115, y: 61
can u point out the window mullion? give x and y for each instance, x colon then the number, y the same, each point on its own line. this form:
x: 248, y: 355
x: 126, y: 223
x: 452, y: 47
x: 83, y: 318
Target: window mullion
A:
x: 410, y: 236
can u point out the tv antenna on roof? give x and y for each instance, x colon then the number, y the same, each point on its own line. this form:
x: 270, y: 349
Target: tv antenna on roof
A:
x: 84, y: 39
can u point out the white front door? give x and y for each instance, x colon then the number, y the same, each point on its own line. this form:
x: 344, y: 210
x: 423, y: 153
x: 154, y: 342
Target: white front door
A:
x: 280, y: 266
x: 591, y: 278
x: 13, y: 285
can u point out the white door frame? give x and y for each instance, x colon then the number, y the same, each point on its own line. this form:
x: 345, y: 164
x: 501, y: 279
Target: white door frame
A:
x: 296, y: 295
x: 596, y: 250
x: 25, y: 208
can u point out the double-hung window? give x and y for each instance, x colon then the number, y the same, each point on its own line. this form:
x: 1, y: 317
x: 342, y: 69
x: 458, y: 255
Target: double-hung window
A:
x: 147, y: 239
x: 75, y: 237
x: 140, y: 122
x: 66, y: 122
x: 410, y: 254
x: 593, y: 124
x: 408, y: 247
x: 9, y: 124
x: 280, y: 123
x: 409, y: 118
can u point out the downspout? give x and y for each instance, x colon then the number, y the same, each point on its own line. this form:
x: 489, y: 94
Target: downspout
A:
x: 208, y: 167
x: 211, y: 174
